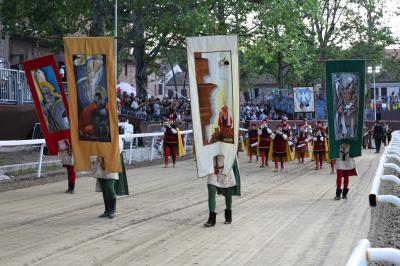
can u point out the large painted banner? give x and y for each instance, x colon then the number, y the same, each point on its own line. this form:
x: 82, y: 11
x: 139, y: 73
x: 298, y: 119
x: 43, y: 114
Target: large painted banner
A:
x: 214, y: 82
x: 303, y: 99
x: 92, y: 101
x: 345, y: 99
x: 49, y: 98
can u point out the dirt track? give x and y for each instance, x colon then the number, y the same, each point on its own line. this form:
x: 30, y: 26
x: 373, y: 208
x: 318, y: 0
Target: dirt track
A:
x: 287, y: 218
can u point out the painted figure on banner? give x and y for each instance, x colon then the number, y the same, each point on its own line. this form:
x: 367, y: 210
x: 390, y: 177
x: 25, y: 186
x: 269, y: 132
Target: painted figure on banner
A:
x: 92, y: 99
x: 345, y: 104
x: 214, y: 84
x: 51, y: 103
x: 303, y: 99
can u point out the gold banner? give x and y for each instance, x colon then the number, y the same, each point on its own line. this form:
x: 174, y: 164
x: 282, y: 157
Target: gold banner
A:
x: 92, y: 101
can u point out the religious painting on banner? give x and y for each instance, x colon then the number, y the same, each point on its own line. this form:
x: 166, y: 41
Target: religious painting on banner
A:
x: 303, y: 98
x: 214, y: 77
x: 49, y: 98
x: 345, y: 99
x: 92, y: 100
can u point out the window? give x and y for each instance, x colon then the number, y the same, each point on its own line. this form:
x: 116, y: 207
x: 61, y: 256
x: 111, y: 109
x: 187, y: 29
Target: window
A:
x: 160, y: 89
x: 256, y: 92
x: 170, y: 93
x: 383, y: 91
x: 184, y: 92
x: 126, y: 70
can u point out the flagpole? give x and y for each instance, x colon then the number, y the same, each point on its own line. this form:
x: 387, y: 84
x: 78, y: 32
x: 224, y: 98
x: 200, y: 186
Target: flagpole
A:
x: 115, y: 38
x: 373, y: 75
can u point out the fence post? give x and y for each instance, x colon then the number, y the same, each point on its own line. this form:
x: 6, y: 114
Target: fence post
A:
x: 152, y: 148
x: 186, y: 140
x: 130, y: 152
x: 40, y: 159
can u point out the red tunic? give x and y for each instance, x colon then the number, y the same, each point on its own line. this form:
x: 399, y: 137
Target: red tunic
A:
x: 265, y: 139
x: 279, y: 144
x: 301, y: 144
x: 170, y: 138
x: 286, y: 129
x: 319, y: 144
x: 253, y: 136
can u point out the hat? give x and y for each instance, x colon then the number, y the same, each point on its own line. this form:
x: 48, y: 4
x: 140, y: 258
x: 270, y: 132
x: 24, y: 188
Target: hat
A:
x: 284, y: 118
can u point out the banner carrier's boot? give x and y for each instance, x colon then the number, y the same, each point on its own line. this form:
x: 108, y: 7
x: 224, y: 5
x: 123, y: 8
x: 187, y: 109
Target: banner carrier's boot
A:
x: 212, y: 219
x: 345, y: 191
x: 228, y: 216
x: 338, y: 192
x: 71, y: 188
x: 113, y: 203
x: 106, y: 209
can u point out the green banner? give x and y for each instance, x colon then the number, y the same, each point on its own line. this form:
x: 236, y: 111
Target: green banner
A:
x: 345, y: 85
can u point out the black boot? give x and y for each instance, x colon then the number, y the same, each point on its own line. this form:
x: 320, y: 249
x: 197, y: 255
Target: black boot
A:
x: 113, y: 204
x: 228, y: 216
x: 212, y: 219
x: 345, y: 191
x: 338, y: 192
x: 106, y: 209
x: 71, y: 188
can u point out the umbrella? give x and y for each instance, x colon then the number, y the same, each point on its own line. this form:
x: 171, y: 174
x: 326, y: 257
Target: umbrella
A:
x: 123, y: 86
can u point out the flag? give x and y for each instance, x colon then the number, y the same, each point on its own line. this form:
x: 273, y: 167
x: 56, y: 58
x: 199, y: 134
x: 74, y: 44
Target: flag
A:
x: 389, y: 106
x: 213, y: 64
x: 49, y: 98
x: 384, y: 106
x: 345, y: 99
x: 92, y: 101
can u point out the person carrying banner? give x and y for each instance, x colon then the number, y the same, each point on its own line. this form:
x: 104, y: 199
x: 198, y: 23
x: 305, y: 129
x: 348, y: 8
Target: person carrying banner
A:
x: 110, y: 184
x: 227, y: 185
x: 319, y: 147
x: 279, y: 150
x: 345, y: 167
x: 301, y: 144
x: 252, y: 138
x: 378, y: 135
x: 65, y: 154
x: 264, y: 142
x: 327, y: 146
x: 172, y: 142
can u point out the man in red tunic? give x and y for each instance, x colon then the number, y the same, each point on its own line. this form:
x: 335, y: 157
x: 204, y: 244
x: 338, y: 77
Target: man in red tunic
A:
x: 301, y: 143
x: 319, y: 146
x: 280, y: 142
x: 264, y: 141
x: 170, y: 142
x: 252, y: 138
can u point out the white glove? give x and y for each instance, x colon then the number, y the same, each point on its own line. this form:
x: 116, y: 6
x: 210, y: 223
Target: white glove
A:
x: 272, y: 136
x: 322, y: 138
x: 284, y: 136
x: 259, y: 132
x: 314, y: 139
x: 173, y: 130
x: 278, y: 132
x: 269, y: 130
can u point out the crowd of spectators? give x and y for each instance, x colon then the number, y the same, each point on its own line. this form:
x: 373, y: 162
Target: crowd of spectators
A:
x: 153, y: 109
x: 251, y: 111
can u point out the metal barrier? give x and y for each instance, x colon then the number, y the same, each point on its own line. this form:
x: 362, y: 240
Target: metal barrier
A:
x: 13, y: 87
x: 363, y: 254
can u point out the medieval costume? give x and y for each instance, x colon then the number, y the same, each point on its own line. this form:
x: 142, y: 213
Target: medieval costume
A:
x: 252, y: 142
x: 110, y: 184
x: 173, y: 144
x: 319, y: 148
x: 331, y: 161
x: 65, y: 154
x: 279, y: 150
x: 264, y: 142
x: 301, y: 144
x: 227, y: 185
x: 345, y: 167
x: 365, y: 137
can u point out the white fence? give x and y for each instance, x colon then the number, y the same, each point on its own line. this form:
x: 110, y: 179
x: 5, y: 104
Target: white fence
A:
x: 132, y: 138
x: 388, y: 170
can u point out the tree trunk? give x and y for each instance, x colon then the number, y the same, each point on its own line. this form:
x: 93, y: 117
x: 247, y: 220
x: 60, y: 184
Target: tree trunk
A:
x: 97, y: 13
x: 139, y: 53
x: 173, y: 72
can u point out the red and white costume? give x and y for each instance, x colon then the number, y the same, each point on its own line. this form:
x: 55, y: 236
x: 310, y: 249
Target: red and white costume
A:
x: 170, y: 144
x: 252, y: 137
x: 280, y: 142
x: 264, y: 142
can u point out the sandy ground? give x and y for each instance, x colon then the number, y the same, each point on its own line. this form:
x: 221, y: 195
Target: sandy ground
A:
x: 285, y: 218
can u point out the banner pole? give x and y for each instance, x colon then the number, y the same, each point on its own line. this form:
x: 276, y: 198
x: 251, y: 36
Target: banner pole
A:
x: 115, y: 39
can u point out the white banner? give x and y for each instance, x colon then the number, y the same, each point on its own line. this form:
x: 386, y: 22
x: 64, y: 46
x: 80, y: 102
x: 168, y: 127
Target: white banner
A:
x: 213, y: 63
x: 303, y: 98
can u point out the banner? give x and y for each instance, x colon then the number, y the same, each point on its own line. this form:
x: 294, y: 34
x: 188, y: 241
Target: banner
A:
x: 214, y: 81
x: 49, y: 98
x: 345, y: 100
x: 92, y: 101
x: 303, y: 99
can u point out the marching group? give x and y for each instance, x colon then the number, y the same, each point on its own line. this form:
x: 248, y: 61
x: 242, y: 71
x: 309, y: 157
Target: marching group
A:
x: 274, y: 145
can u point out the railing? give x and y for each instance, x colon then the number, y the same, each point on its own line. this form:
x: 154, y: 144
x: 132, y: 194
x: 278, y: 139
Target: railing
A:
x: 13, y: 87
x: 133, y: 138
x: 363, y: 253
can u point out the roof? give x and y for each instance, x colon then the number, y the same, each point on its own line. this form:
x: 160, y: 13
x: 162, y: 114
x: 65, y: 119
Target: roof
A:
x: 180, y: 80
x: 265, y: 80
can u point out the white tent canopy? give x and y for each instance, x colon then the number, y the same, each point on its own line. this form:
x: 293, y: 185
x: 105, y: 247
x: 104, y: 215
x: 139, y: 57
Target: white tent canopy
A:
x: 123, y: 86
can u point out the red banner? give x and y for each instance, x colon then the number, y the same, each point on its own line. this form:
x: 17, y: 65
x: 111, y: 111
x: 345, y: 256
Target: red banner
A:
x: 50, y: 100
